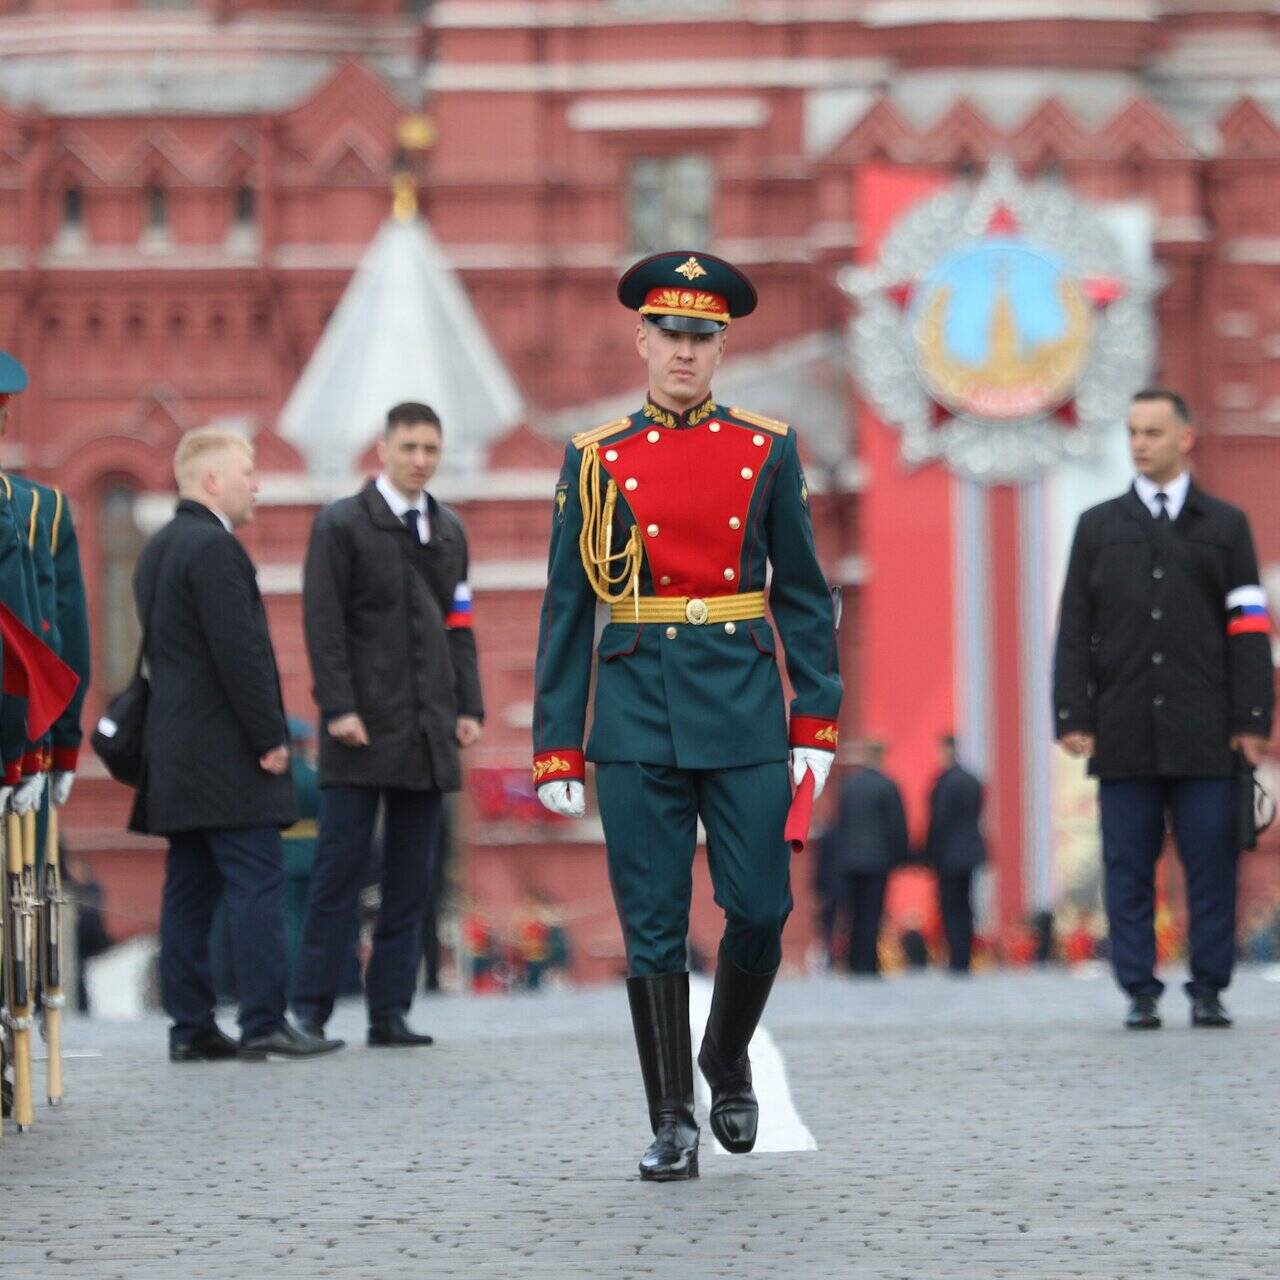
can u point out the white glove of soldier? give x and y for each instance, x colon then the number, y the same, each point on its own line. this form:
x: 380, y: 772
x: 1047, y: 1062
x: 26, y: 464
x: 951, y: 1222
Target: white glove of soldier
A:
x: 567, y: 798
x: 60, y: 781
x: 26, y: 796
x: 813, y: 758
x: 6, y: 794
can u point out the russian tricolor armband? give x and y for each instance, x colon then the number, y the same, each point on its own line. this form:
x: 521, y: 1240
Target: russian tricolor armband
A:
x: 1247, y: 611
x: 459, y: 614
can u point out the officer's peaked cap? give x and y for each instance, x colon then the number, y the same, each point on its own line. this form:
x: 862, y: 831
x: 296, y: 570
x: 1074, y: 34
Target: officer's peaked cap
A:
x: 688, y: 291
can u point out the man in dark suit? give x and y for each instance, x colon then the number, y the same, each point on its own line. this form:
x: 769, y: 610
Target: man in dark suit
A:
x: 216, y: 764
x: 1162, y: 671
x: 955, y: 848
x: 869, y: 839
x: 387, y: 611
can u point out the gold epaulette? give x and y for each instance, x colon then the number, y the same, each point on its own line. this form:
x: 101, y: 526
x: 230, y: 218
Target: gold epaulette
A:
x: 759, y: 420
x: 596, y: 434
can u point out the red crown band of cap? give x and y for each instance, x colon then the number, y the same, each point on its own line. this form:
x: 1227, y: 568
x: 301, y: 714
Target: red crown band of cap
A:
x: 698, y: 303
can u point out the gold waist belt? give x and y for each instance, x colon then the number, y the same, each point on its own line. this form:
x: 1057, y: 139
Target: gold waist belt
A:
x: 696, y: 610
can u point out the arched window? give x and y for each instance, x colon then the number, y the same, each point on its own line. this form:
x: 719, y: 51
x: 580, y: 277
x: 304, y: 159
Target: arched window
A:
x: 73, y: 208
x: 157, y: 208
x: 246, y: 205
x: 120, y: 542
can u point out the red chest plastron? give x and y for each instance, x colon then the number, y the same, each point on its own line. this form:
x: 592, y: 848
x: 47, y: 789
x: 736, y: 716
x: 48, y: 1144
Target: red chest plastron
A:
x: 690, y: 492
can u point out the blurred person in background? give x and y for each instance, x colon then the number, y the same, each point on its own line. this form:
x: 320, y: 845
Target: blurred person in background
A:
x: 215, y: 759
x: 1162, y: 671
x: 868, y: 839
x: 955, y: 849
x: 387, y: 614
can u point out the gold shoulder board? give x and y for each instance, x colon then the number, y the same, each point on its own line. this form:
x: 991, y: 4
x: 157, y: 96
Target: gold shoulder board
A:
x: 759, y: 420
x: 596, y: 434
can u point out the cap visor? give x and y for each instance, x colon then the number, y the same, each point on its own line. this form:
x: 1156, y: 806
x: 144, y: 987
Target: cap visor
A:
x: 686, y: 324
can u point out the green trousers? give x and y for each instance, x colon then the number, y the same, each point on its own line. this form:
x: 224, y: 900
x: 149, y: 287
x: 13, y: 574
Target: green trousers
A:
x: 650, y: 814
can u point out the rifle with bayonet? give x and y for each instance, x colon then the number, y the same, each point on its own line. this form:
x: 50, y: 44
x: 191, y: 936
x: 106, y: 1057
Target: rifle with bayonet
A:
x: 19, y: 910
x: 52, y: 998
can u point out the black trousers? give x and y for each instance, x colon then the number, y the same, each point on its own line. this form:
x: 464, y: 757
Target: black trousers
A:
x: 1133, y: 828
x: 955, y: 899
x: 347, y: 816
x: 247, y: 866
x: 865, y: 895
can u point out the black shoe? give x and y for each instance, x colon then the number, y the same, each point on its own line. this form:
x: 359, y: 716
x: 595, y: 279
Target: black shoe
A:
x: 660, y: 1016
x: 209, y: 1045
x: 286, y: 1041
x: 393, y: 1030
x: 310, y: 1026
x: 1207, y: 1011
x: 736, y: 1005
x: 1142, y: 1014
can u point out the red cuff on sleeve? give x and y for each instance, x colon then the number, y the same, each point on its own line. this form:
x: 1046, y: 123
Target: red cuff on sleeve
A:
x: 814, y: 731
x: 33, y: 763
x: 13, y: 773
x: 561, y: 765
x: 65, y: 759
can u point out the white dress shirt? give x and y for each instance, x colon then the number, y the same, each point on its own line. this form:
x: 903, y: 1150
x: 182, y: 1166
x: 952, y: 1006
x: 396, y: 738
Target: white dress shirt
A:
x: 1175, y: 491
x: 398, y: 504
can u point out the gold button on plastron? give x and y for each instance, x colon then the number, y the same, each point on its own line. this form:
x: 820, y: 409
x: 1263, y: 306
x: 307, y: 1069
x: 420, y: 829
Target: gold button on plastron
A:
x: 665, y: 580
x: 734, y: 522
x: 729, y: 575
x: 757, y: 441
x: 746, y: 473
x: 715, y: 426
x: 631, y: 484
x: 729, y: 628
x: 671, y: 633
x: 611, y: 455
x: 652, y: 531
x: 653, y: 437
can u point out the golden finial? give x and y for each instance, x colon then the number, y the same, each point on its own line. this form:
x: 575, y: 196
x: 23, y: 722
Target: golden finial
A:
x: 413, y: 133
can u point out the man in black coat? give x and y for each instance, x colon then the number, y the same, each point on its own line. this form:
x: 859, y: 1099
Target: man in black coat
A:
x: 1162, y: 671
x: 868, y: 839
x: 387, y: 611
x: 955, y: 848
x: 215, y: 759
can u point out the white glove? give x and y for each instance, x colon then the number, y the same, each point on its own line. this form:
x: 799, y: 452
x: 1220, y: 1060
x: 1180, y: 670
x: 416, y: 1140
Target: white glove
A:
x: 815, y: 759
x: 26, y: 796
x: 60, y: 781
x: 567, y: 798
x: 6, y: 794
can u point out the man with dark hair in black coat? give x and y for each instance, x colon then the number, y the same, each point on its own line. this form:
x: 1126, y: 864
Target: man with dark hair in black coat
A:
x: 1162, y: 671
x: 867, y: 840
x: 955, y: 848
x: 387, y: 611
x: 215, y: 759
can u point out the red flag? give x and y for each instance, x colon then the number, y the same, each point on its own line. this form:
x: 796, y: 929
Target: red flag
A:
x: 798, y: 816
x: 33, y: 671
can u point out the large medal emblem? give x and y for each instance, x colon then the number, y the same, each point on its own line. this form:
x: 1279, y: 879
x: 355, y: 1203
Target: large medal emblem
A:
x: 1002, y: 329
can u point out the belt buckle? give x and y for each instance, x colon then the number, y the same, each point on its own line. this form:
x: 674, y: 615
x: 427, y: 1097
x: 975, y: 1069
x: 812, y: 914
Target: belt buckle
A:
x: 696, y: 611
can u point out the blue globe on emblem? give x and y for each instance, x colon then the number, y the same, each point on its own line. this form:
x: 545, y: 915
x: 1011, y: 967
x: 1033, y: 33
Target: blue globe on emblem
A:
x: 1001, y: 331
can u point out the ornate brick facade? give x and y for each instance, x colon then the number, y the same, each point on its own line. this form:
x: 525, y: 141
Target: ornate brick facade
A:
x: 184, y: 192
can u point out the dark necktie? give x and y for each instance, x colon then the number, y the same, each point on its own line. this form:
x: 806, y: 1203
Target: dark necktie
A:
x: 1162, y: 498
x: 411, y: 518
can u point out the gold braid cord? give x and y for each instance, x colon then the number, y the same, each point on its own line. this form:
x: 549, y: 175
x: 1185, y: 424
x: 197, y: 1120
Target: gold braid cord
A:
x: 612, y: 575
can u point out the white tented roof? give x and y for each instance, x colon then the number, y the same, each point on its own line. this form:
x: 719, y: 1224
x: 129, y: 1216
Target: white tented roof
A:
x: 403, y: 330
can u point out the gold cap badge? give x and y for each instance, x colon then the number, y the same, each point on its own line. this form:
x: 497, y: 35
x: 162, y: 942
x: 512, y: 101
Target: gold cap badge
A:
x: 691, y: 270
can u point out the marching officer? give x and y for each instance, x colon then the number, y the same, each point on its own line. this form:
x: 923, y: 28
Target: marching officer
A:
x: 1162, y: 670
x: 670, y: 517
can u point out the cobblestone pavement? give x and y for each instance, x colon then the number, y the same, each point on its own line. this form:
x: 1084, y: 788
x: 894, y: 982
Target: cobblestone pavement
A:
x: 1000, y: 1127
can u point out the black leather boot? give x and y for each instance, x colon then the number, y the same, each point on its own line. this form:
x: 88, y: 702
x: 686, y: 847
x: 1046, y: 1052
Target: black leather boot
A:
x: 660, y: 1015
x: 736, y: 1005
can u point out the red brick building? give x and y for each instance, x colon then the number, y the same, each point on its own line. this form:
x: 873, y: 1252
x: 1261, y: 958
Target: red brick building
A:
x: 186, y: 189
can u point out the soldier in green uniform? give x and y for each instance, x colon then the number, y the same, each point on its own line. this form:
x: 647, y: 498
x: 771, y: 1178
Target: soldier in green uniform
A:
x: 672, y: 517
x: 19, y: 592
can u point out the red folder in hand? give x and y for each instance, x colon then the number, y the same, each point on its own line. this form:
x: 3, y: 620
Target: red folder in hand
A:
x: 796, y: 832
